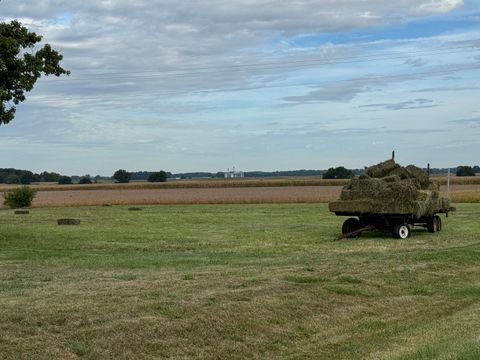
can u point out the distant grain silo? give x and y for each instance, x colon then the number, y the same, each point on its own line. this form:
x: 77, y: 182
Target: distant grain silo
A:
x: 234, y: 174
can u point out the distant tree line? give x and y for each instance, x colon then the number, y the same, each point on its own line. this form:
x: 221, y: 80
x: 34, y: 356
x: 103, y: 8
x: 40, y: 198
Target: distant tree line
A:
x: 144, y: 175
x: 467, y: 170
x: 285, y: 173
x: 339, y: 172
x: 16, y: 176
x: 25, y: 177
x: 123, y: 176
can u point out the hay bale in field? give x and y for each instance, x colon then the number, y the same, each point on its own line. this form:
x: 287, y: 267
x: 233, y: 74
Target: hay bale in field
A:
x: 134, y: 209
x: 68, y: 221
x: 388, y: 188
x: 22, y: 212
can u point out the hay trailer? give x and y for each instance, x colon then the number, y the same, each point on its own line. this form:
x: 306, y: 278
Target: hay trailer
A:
x: 399, y: 225
x: 391, y: 198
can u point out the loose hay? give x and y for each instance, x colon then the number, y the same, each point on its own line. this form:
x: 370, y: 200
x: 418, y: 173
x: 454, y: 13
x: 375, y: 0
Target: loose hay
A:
x: 22, y: 212
x: 388, y: 188
x: 134, y: 209
x: 68, y: 222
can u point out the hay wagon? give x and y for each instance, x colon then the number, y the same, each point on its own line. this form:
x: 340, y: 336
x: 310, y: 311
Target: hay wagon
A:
x: 392, y: 199
x: 398, y: 224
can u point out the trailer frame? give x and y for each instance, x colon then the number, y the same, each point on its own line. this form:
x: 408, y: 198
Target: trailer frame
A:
x: 399, y: 225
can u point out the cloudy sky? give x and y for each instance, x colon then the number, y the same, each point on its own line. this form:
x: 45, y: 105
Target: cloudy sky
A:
x: 256, y: 84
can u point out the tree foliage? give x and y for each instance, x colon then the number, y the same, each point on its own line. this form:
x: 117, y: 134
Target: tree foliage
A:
x: 20, y: 69
x: 122, y: 176
x: 160, y: 176
x: 338, y: 173
x: 64, y: 180
x: 85, y: 180
x: 19, y: 197
x: 465, y: 171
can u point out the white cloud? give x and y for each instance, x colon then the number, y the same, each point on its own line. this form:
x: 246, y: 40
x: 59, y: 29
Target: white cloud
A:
x: 187, y: 76
x: 438, y: 6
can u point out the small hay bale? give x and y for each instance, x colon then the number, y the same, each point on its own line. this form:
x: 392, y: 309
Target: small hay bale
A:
x: 382, y: 169
x: 68, y: 221
x: 420, y: 175
x: 134, y: 209
x: 22, y: 212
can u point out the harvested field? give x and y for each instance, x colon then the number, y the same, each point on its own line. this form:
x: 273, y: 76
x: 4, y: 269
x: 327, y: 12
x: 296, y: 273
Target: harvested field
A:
x: 234, y: 282
x: 222, y: 183
x: 197, y: 183
x: 269, y: 194
x: 299, y: 194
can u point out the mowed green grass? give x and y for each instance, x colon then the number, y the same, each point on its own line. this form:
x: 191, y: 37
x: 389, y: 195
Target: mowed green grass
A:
x: 234, y: 282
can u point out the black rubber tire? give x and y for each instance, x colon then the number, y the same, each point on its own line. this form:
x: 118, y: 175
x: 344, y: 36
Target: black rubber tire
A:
x: 401, y: 231
x: 433, y: 224
x: 349, y: 225
x: 439, y: 223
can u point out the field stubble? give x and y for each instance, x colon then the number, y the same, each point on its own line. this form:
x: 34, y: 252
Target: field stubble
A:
x: 213, y: 195
x: 236, y: 282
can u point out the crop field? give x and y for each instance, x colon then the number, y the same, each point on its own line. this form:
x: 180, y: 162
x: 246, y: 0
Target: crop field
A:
x: 77, y: 196
x: 262, y: 281
x: 195, y: 184
x: 286, y: 194
x: 222, y: 183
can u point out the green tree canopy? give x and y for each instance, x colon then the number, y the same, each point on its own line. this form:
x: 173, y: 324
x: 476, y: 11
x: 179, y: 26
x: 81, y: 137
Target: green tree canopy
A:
x: 85, y: 180
x: 19, y: 197
x: 465, y: 171
x: 19, y: 69
x: 64, y: 180
x: 338, y: 173
x: 160, y: 176
x: 122, y: 176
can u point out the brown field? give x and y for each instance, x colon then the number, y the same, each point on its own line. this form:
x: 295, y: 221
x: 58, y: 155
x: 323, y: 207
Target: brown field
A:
x: 210, y: 195
x: 197, y: 183
x: 221, y: 183
x: 290, y: 194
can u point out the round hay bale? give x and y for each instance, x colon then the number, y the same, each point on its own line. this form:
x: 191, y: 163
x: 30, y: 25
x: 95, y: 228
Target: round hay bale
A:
x: 134, y: 209
x: 22, y: 212
x: 68, y: 221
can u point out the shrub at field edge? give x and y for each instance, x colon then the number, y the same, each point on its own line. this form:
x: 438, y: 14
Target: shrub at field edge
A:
x: 19, y: 197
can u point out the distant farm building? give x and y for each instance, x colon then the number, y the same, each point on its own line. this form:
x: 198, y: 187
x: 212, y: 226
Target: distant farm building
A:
x: 234, y: 174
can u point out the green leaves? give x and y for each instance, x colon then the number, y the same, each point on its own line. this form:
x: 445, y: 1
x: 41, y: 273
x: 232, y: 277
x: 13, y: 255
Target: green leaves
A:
x: 20, y: 70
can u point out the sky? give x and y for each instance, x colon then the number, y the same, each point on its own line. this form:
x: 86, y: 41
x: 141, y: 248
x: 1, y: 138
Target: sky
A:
x: 260, y: 85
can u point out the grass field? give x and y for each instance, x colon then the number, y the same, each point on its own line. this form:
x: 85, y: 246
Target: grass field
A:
x: 234, y: 281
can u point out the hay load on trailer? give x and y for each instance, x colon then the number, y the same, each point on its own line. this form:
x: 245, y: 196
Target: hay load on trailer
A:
x: 391, y: 198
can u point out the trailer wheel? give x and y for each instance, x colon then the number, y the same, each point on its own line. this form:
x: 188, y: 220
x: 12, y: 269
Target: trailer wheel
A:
x: 434, y: 224
x: 350, y: 225
x: 401, y: 231
x: 439, y: 223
